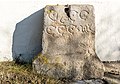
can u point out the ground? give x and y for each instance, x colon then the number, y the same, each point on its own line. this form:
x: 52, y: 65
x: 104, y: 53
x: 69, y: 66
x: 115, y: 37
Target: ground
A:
x: 112, y: 72
x: 12, y: 73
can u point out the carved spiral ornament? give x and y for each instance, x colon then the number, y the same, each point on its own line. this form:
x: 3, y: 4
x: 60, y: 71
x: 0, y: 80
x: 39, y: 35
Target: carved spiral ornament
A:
x: 84, y: 14
x: 53, y: 15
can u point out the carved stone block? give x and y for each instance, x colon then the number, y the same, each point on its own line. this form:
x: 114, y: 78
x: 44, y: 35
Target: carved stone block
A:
x: 69, y: 43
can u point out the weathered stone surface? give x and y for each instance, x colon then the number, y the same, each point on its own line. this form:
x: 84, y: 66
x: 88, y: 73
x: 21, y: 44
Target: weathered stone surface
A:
x: 92, y: 81
x: 69, y: 43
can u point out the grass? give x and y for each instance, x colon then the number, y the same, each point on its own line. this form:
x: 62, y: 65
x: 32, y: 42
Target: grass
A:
x: 12, y: 73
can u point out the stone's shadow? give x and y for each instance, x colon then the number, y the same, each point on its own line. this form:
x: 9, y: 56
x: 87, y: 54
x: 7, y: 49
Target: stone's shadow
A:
x: 27, y: 38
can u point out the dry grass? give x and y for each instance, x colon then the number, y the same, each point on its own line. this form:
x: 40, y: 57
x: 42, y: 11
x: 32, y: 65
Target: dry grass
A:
x: 12, y: 73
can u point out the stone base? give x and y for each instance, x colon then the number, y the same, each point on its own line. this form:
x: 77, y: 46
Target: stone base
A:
x: 71, y: 69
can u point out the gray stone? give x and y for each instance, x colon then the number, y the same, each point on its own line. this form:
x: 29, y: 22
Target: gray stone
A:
x: 27, y: 38
x: 69, y: 43
x: 92, y: 81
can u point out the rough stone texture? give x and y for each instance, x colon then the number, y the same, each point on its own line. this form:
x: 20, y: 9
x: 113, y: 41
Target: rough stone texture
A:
x: 69, y: 43
x: 92, y: 81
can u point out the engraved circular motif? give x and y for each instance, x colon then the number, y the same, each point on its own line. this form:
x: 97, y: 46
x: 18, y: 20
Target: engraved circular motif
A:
x: 50, y: 30
x: 61, y: 29
x: 72, y: 29
x: 53, y: 15
x: 73, y: 15
x: 63, y: 19
x: 84, y: 14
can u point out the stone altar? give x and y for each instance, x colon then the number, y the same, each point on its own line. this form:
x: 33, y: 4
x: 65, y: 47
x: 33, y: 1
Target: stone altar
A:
x: 69, y: 43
